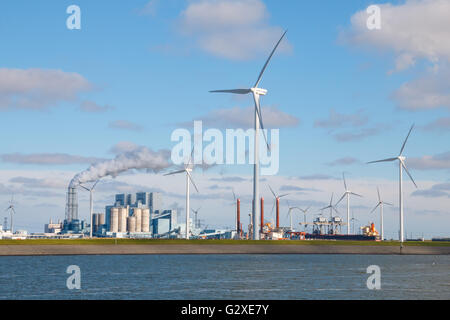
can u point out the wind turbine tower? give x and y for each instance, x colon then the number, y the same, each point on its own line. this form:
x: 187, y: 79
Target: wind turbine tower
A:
x: 187, y: 170
x: 91, y: 204
x: 401, y: 165
x: 380, y: 204
x: 347, y: 194
x: 256, y: 93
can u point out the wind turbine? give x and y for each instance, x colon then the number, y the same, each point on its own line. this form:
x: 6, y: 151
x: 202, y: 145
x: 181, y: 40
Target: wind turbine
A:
x: 11, y: 211
x: 290, y: 212
x: 256, y: 92
x: 277, y: 202
x: 331, y: 207
x: 401, y: 166
x: 304, y: 216
x: 380, y: 204
x: 91, y: 203
x: 195, y: 219
x: 347, y: 194
x: 353, y: 219
x: 187, y: 169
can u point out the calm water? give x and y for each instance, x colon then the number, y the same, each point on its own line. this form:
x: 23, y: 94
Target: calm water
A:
x: 225, y: 277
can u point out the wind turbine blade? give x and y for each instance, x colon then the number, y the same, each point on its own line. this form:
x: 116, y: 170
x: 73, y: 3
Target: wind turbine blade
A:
x: 175, y: 172
x: 190, y: 158
x: 283, y: 195
x: 234, y: 195
x: 404, y: 143
x: 192, y: 180
x: 384, y: 160
x: 93, y: 186
x: 258, y: 112
x: 325, y: 207
x: 331, y: 201
x: 84, y: 187
x: 335, y: 210
x: 345, y: 184
x: 272, y: 191
x: 271, y: 211
x: 379, y: 197
x: 235, y: 91
x: 355, y: 194
x: 404, y: 167
x: 340, y: 199
x: 267, y: 62
x: 375, y: 207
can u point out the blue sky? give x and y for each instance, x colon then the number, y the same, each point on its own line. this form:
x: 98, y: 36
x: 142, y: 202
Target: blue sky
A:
x: 152, y: 63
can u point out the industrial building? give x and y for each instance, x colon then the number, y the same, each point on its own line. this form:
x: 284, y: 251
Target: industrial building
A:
x: 138, y: 215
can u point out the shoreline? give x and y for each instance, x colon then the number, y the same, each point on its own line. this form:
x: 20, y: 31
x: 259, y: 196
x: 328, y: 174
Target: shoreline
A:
x: 149, y: 249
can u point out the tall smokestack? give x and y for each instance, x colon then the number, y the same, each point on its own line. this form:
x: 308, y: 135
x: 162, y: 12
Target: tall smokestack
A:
x: 262, y: 214
x: 238, y: 214
x: 72, y: 204
x: 278, y: 212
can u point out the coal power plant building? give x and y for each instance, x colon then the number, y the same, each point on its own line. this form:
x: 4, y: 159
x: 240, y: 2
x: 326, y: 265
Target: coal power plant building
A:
x: 139, y: 215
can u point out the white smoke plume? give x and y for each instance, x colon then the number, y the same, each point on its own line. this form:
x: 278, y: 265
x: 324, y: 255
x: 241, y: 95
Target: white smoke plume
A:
x: 138, y: 158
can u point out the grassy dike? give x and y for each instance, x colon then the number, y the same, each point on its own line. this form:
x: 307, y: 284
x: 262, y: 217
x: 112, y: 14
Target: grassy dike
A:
x: 110, y: 241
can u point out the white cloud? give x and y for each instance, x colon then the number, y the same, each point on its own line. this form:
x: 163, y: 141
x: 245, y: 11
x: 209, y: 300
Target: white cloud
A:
x: 125, y: 125
x: 91, y: 106
x: 233, y: 29
x: 47, y: 158
x: 337, y: 120
x: 440, y: 124
x: 123, y: 146
x: 429, y: 91
x: 437, y: 162
x: 244, y: 118
x: 414, y: 30
x: 39, y: 89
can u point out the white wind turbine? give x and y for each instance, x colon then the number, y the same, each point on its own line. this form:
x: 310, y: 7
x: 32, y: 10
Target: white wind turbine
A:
x: 195, y: 218
x: 380, y: 204
x: 256, y: 92
x: 347, y: 194
x: 91, y: 204
x: 401, y: 164
x: 331, y: 207
x: 187, y: 169
x: 304, y: 216
x: 289, y: 213
x: 11, y: 212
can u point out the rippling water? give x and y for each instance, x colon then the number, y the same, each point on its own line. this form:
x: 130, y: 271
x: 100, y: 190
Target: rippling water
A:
x: 225, y: 277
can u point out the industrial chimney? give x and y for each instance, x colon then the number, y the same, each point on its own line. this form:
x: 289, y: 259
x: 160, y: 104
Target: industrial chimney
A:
x: 71, y: 204
x: 238, y: 214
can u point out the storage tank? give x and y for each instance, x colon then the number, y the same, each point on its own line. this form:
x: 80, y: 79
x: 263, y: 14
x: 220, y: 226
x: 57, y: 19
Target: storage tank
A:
x: 114, y: 223
x: 101, y: 219
x: 131, y: 224
x: 138, y: 215
x: 145, y: 220
x: 123, y: 215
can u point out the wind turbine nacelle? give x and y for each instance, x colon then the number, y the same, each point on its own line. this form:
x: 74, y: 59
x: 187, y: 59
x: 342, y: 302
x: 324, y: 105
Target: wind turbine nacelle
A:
x: 259, y: 91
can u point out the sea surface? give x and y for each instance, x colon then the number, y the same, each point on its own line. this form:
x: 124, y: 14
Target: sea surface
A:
x: 225, y: 277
